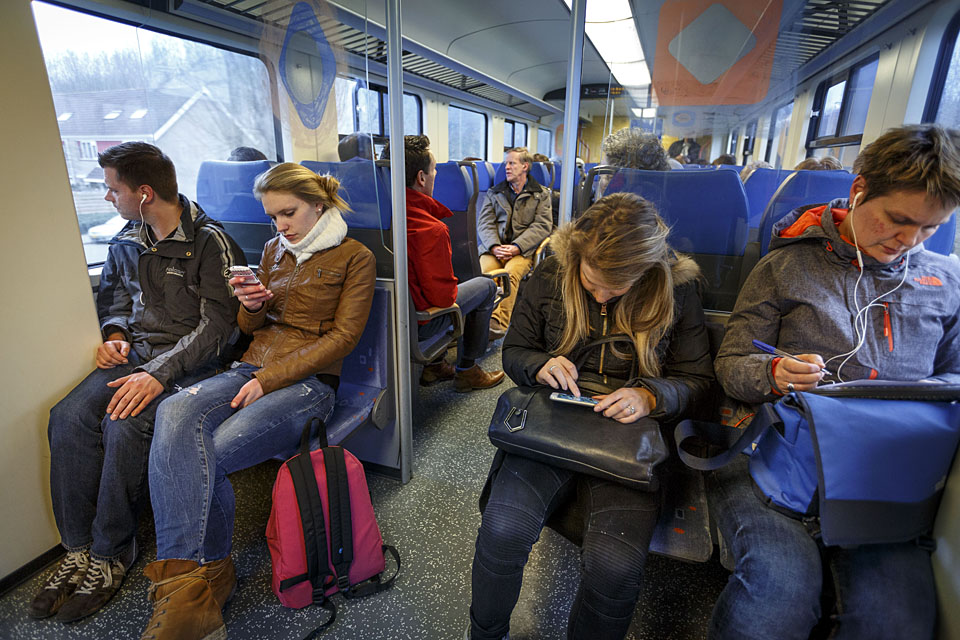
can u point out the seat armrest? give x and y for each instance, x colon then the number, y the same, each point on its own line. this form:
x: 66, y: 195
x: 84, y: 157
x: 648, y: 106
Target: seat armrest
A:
x: 541, y: 253
x: 435, y: 312
x: 436, y: 347
x: 502, y: 278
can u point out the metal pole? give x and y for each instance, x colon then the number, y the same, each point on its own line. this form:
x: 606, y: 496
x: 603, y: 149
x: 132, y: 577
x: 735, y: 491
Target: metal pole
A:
x: 399, y: 225
x: 571, y: 109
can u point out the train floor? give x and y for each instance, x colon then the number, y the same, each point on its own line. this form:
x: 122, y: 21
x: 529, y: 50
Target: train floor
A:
x: 433, y: 522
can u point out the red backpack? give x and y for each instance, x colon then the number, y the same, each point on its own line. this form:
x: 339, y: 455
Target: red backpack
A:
x: 317, y: 492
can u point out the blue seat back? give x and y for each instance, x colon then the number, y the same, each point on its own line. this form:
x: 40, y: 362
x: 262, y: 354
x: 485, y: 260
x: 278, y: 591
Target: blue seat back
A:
x: 538, y: 171
x: 760, y: 187
x: 484, y: 175
x: 363, y: 187
x: 557, y: 168
x: 943, y: 240
x: 225, y: 190
x: 800, y: 189
x: 452, y: 187
x: 367, y: 364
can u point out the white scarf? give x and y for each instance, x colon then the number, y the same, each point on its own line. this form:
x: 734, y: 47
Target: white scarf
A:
x: 329, y: 231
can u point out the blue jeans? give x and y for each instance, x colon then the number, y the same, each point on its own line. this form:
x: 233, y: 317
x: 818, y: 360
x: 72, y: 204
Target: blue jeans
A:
x: 882, y: 590
x: 619, y: 524
x: 475, y: 298
x: 200, y: 439
x: 98, y: 466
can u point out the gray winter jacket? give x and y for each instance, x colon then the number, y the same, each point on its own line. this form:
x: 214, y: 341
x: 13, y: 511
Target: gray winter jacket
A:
x: 171, y: 300
x: 800, y: 298
x: 525, y: 223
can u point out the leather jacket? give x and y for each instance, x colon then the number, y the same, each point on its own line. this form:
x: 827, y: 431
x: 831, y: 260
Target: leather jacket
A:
x: 316, y: 316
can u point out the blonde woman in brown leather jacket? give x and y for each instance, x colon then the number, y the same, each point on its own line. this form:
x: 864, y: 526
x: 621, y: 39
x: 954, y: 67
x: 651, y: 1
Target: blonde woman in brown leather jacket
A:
x: 305, y: 314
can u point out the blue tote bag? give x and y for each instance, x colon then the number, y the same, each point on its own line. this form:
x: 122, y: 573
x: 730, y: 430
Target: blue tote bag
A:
x: 869, y: 460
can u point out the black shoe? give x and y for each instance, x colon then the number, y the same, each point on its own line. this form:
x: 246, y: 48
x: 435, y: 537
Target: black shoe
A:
x: 102, y: 581
x: 61, y: 585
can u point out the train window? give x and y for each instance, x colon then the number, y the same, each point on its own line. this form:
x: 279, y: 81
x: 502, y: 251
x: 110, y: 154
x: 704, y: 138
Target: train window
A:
x: 514, y: 134
x: 368, y: 110
x: 780, y: 127
x: 732, y: 142
x: 943, y: 105
x: 545, y: 141
x: 467, y: 131
x: 749, y: 139
x: 840, y: 112
x: 113, y: 82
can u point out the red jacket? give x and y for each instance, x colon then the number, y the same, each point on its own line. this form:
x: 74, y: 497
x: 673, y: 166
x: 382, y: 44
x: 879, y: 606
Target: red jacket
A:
x: 429, y: 255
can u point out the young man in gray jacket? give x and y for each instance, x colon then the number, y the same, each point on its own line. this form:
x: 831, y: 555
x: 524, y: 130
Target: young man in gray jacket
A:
x: 849, y: 287
x: 516, y: 217
x: 166, y: 312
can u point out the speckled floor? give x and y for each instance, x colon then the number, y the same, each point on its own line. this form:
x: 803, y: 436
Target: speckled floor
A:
x: 433, y: 522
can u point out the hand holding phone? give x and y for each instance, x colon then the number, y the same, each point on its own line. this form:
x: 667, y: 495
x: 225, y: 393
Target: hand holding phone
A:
x: 248, y: 289
x: 583, y: 401
x: 245, y: 272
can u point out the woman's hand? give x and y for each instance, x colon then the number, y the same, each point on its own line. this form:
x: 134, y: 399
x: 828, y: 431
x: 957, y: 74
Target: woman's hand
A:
x: 626, y: 404
x: 798, y: 376
x: 248, y: 394
x: 559, y: 373
x: 251, y: 296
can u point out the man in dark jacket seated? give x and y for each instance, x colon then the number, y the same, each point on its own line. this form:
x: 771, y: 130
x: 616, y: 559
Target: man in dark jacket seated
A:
x: 849, y: 287
x: 166, y: 312
x: 432, y: 283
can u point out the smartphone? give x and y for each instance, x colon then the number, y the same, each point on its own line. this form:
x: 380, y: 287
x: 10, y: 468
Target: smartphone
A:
x: 243, y: 272
x: 583, y: 401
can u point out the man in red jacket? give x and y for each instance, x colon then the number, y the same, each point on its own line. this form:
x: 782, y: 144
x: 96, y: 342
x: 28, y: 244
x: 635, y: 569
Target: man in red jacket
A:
x: 432, y: 283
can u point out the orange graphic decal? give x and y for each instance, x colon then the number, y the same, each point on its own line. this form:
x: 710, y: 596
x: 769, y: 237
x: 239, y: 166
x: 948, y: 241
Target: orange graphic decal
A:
x: 930, y: 281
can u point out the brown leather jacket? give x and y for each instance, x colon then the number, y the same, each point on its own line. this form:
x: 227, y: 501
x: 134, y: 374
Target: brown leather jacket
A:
x: 317, y: 313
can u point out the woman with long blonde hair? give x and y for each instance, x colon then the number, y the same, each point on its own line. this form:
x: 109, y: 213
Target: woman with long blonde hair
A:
x: 613, y: 274
x: 306, y: 312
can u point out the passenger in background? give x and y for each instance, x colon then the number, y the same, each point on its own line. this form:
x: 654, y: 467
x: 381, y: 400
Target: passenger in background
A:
x: 613, y: 260
x: 726, y: 158
x: 246, y: 154
x: 430, y: 274
x: 539, y: 157
x: 799, y: 298
x: 306, y: 314
x: 686, y: 148
x: 753, y: 166
x: 632, y: 149
x: 516, y: 217
x: 826, y: 163
x: 165, y: 313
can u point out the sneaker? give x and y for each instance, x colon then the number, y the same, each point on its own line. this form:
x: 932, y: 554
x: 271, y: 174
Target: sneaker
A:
x: 437, y: 372
x: 61, y: 585
x: 101, y: 582
x: 476, y: 378
x: 466, y: 635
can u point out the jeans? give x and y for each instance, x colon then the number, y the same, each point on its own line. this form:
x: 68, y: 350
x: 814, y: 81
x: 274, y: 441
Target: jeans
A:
x: 200, y: 439
x: 619, y: 524
x: 98, y: 466
x: 882, y: 590
x: 475, y: 299
x: 517, y: 267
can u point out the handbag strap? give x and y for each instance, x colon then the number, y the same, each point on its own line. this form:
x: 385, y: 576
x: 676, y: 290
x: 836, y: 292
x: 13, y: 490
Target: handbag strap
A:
x: 730, y: 439
x: 579, y: 354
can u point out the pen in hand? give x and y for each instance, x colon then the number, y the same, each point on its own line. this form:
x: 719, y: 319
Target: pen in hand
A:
x: 763, y: 346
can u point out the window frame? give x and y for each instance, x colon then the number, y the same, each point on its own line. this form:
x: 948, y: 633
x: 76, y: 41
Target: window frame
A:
x: 773, y: 126
x: 814, y: 141
x: 382, y: 98
x: 549, y: 132
x: 513, y: 132
x: 941, y: 69
x: 486, y: 127
x: 749, y: 141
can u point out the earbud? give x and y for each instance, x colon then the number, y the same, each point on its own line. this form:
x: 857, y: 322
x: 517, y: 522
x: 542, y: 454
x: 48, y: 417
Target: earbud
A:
x: 856, y: 199
x: 143, y: 198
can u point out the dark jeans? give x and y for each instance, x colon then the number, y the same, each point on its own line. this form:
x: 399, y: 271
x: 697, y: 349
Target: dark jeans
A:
x: 98, y: 466
x: 882, y: 590
x: 475, y: 298
x: 619, y: 524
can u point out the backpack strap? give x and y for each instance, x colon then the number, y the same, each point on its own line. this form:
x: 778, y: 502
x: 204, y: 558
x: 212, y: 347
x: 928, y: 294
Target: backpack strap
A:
x: 375, y: 584
x: 341, y: 522
x: 730, y: 439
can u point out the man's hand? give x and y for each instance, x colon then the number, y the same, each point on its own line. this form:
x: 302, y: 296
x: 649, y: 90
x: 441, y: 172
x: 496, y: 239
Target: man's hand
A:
x: 136, y: 391
x: 504, y: 252
x: 248, y: 394
x: 112, y: 353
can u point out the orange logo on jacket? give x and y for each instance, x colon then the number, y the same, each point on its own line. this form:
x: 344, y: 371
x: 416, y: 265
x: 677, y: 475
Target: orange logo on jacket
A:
x: 930, y: 281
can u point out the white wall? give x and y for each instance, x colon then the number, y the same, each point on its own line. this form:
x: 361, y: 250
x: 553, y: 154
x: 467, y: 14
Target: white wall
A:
x: 47, y: 291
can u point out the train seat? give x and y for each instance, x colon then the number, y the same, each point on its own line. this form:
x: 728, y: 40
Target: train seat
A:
x: 364, y: 185
x: 707, y: 214
x: 760, y: 186
x: 225, y: 193
x: 457, y: 187
x: 799, y: 189
x: 943, y: 240
x: 538, y: 171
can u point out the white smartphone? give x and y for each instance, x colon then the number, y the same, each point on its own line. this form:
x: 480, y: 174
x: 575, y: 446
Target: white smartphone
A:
x: 582, y: 401
x: 244, y: 272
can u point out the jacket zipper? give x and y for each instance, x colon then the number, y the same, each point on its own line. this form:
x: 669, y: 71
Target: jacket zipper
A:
x: 283, y: 315
x: 603, y: 333
x: 887, y: 328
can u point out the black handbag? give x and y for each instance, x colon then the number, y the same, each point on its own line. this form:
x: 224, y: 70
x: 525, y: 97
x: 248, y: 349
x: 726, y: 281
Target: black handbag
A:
x: 529, y: 424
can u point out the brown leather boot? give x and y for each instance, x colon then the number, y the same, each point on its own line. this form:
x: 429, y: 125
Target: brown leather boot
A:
x: 184, y: 606
x: 476, y: 378
x: 222, y: 577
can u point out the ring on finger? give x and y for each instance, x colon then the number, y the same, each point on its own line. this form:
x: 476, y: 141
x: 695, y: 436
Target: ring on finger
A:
x: 550, y: 370
x: 631, y: 409
x: 790, y: 387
